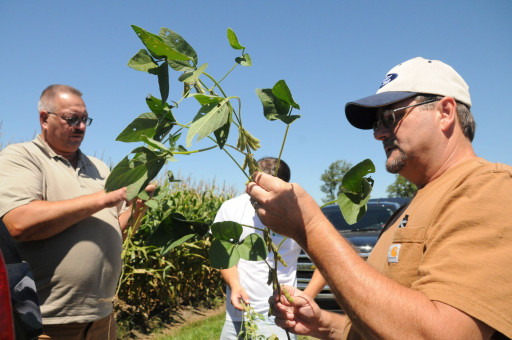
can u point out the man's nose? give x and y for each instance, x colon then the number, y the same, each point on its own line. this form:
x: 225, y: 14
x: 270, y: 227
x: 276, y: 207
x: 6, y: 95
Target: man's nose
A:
x: 381, y: 132
x: 80, y: 125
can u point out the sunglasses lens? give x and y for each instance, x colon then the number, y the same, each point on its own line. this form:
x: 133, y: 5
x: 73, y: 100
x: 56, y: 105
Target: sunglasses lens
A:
x: 388, y: 120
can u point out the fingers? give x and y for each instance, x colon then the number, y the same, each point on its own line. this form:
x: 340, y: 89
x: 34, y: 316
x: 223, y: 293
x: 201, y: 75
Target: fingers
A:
x: 237, y: 296
x: 236, y: 302
x: 262, y: 184
x: 150, y: 189
x: 262, y: 190
x: 287, y: 290
x: 285, y: 324
x: 113, y: 198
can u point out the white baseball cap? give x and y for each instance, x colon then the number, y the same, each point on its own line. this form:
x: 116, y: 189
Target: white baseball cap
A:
x: 409, y: 79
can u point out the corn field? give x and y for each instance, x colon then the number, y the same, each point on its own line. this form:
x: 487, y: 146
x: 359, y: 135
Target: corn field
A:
x: 166, y: 262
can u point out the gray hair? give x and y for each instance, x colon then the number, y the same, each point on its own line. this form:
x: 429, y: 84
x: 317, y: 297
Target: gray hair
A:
x: 466, y: 120
x: 47, y: 100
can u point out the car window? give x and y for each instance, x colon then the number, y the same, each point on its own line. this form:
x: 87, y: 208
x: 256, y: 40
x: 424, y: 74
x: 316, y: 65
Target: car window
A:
x: 374, y: 219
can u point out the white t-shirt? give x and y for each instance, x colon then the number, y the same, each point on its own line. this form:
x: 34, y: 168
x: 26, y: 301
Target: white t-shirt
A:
x: 254, y: 274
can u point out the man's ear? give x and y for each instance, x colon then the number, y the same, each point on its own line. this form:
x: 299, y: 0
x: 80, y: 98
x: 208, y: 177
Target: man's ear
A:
x: 43, y: 117
x: 448, y: 113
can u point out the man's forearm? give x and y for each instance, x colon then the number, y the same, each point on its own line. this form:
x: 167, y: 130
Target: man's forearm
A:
x: 230, y: 276
x: 39, y: 220
x: 378, y: 306
x: 316, y: 284
x: 331, y: 326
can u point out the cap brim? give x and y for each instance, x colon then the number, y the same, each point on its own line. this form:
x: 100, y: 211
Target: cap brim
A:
x: 361, y: 113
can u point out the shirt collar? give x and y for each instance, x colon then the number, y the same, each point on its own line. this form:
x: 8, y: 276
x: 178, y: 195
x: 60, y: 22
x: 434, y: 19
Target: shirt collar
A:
x: 39, y: 141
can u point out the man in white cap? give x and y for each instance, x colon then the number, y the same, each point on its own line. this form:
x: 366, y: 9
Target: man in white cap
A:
x: 441, y: 268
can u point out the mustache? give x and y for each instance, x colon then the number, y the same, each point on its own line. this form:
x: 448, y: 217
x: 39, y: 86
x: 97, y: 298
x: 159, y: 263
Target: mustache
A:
x: 78, y: 132
x: 390, y: 142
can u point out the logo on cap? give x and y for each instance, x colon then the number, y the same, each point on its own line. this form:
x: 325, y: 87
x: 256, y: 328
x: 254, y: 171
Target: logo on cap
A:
x: 389, y: 77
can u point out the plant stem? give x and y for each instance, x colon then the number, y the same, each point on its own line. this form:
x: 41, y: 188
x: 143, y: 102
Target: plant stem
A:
x: 331, y: 202
x: 221, y: 79
x: 282, y: 145
x: 194, y: 151
x: 234, y: 160
x: 217, y: 83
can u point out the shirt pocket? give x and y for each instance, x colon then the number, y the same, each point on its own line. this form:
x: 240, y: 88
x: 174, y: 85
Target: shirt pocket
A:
x: 405, y: 254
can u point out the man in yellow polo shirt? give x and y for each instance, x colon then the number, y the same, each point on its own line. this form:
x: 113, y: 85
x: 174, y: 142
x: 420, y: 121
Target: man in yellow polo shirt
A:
x: 65, y: 226
x: 441, y: 269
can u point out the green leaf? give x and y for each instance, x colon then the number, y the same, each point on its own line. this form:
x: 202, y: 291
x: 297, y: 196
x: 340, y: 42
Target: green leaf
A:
x: 226, y: 250
x: 143, y: 195
x: 353, y: 207
x: 223, y: 254
x: 154, y: 143
x: 275, y: 108
x: 135, y: 174
x: 221, y: 134
x: 281, y: 91
x: 253, y: 248
x: 143, y: 125
x: 352, y: 181
x: 178, y: 243
x: 209, y: 118
x: 177, y: 42
x: 157, y: 47
x: 244, y: 60
x: 151, y: 163
x: 355, y: 191
x: 166, y: 120
x: 172, y: 227
x: 192, y: 77
x: 157, y: 105
x: 233, y: 40
x: 163, y: 81
x: 227, y: 231
x: 123, y: 174
x: 152, y: 204
x: 205, y: 99
x: 142, y: 61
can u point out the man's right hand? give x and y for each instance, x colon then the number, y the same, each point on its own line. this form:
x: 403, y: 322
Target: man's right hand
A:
x: 238, y: 294
x: 299, y: 316
x: 115, y: 197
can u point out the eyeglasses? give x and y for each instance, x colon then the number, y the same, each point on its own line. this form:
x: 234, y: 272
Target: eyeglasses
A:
x: 389, y: 119
x: 74, y: 120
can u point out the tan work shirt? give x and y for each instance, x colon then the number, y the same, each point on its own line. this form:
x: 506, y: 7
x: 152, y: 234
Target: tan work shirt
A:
x: 76, y: 272
x: 453, y: 243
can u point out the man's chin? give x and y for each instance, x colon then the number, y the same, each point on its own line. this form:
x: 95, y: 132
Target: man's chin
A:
x: 75, y: 143
x: 395, y: 164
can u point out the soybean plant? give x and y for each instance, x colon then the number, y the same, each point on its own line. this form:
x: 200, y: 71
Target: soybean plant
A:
x: 161, y: 135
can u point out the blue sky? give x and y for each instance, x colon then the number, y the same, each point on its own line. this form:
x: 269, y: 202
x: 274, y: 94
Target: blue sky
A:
x: 329, y: 52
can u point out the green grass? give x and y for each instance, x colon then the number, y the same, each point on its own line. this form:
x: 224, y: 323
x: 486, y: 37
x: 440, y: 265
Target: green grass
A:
x: 205, y: 329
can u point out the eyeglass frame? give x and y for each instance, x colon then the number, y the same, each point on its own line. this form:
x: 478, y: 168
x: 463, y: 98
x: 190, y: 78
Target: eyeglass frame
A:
x: 74, y: 120
x: 376, y: 124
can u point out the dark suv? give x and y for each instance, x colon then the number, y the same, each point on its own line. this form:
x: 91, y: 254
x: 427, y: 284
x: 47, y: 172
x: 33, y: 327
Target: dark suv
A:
x: 362, y: 235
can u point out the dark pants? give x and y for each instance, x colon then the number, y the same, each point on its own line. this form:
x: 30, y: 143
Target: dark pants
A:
x: 103, y: 329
